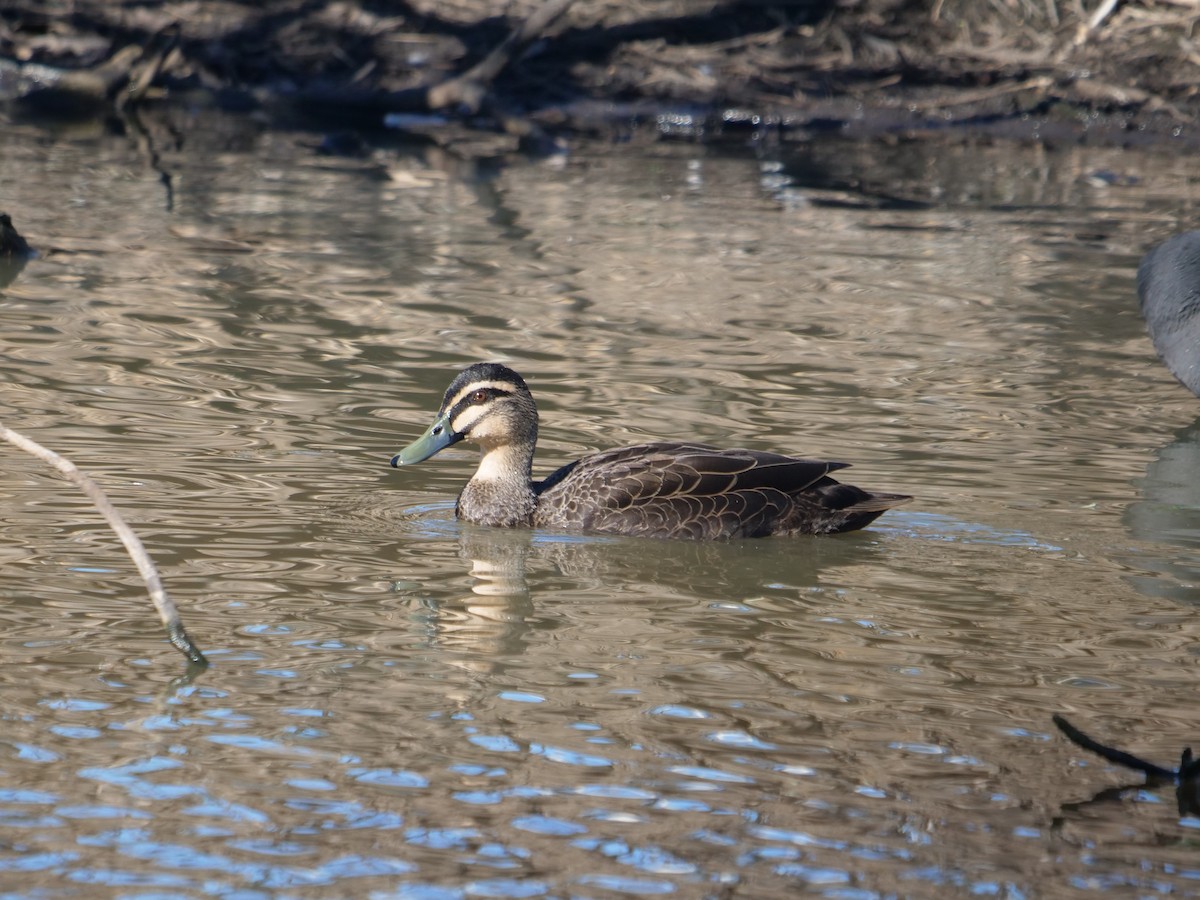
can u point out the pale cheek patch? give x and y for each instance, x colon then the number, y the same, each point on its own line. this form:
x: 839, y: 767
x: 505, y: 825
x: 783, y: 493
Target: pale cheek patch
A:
x: 466, y: 419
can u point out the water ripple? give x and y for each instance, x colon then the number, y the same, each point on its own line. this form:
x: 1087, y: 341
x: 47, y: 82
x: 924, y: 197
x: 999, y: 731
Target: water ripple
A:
x: 403, y: 706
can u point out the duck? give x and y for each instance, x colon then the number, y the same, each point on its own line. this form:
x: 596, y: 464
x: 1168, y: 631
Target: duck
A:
x: 12, y: 245
x: 1168, y: 287
x: 664, y: 489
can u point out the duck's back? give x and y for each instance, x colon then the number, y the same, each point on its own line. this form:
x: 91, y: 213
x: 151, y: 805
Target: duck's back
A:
x: 701, y: 492
x: 1168, y: 283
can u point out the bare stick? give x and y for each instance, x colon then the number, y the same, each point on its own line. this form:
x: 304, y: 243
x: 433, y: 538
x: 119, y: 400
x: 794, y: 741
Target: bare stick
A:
x: 1103, y: 11
x: 470, y: 88
x: 1095, y: 20
x: 133, y: 544
x: 1120, y: 757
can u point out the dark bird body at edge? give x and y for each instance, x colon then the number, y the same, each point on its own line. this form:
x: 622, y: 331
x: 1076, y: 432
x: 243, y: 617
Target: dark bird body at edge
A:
x: 667, y: 489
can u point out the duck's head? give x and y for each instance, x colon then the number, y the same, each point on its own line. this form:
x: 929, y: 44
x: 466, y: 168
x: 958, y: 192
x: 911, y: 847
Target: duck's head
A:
x: 488, y: 404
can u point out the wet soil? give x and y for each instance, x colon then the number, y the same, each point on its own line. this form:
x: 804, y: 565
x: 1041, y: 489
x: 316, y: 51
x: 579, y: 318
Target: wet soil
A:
x: 1067, y: 69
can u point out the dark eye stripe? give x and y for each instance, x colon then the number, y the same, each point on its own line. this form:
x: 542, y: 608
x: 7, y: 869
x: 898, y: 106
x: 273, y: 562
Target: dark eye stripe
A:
x: 456, y: 395
x: 490, y: 394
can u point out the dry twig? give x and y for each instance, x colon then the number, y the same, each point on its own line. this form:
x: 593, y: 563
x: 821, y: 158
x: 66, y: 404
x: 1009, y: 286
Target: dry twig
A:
x: 470, y: 88
x: 133, y: 544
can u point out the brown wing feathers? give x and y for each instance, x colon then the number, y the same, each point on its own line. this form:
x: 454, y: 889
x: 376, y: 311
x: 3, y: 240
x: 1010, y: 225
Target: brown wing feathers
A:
x: 697, y: 491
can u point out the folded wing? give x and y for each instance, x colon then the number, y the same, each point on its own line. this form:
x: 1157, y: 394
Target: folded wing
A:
x: 673, y: 489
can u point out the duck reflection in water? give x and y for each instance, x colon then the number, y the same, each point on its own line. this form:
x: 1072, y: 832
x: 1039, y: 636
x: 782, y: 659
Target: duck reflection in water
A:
x: 508, y: 567
x: 663, y: 489
x: 1166, y: 514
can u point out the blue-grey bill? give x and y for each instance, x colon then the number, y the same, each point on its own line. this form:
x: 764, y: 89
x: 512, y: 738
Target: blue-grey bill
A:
x: 439, y: 436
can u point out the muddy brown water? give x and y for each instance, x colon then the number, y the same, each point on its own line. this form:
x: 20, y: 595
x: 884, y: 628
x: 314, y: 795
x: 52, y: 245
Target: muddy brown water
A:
x: 400, y: 706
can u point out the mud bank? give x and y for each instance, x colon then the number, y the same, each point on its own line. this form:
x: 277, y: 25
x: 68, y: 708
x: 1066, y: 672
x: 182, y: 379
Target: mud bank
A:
x: 1099, y: 71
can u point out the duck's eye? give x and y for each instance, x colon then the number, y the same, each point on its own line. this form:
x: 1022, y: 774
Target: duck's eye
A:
x: 479, y: 396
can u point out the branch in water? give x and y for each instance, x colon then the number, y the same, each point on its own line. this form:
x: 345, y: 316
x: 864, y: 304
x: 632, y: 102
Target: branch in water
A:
x: 1120, y: 757
x: 133, y: 544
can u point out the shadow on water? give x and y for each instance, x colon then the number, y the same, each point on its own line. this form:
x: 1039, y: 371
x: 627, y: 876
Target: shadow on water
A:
x: 1169, y: 514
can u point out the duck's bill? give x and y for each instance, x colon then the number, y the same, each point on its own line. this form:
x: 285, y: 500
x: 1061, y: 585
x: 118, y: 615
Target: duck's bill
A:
x: 439, y: 436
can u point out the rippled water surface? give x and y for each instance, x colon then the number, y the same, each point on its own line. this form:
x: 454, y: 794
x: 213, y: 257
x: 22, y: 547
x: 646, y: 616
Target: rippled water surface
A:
x: 401, y: 706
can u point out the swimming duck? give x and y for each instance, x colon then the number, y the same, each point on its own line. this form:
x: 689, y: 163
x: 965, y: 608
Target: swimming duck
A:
x: 12, y: 245
x: 673, y: 489
x: 1168, y: 285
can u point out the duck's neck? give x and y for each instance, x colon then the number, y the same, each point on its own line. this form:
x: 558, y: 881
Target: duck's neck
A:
x: 500, y: 492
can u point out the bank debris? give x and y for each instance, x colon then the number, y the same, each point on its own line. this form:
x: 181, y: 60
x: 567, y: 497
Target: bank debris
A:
x: 555, y: 62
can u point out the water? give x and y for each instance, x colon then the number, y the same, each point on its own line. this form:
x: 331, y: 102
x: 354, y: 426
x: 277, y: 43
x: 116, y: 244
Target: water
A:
x: 401, y: 706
